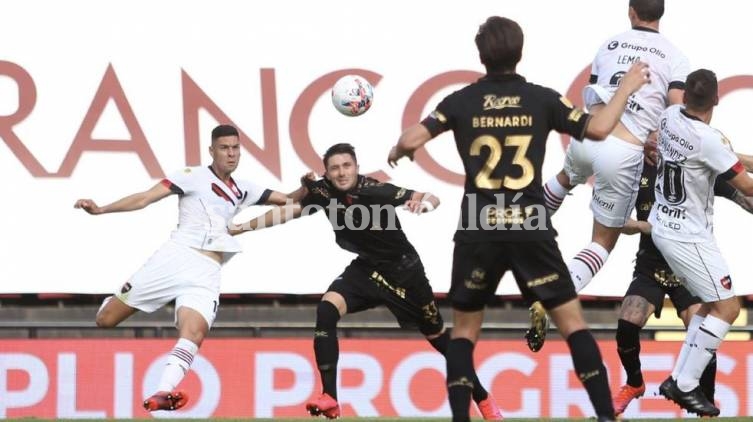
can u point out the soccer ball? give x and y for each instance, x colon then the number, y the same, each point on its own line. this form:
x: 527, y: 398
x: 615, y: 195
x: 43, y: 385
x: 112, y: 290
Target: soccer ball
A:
x: 352, y: 95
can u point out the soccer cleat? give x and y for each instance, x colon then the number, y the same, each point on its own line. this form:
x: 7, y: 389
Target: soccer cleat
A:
x: 489, y: 410
x: 324, y: 405
x: 536, y: 335
x: 166, y: 400
x: 626, y: 394
x: 693, y: 401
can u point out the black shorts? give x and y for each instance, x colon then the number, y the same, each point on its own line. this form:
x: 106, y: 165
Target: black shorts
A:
x: 539, y: 271
x: 405, y: 292
x: 648, y: 288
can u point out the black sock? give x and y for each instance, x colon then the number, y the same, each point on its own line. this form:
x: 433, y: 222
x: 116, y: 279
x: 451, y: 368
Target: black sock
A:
x: 708, y: 379
x: 459, y: 373
x: 591, y: 371
x: 326, y: 348
x: 629, y: 349
x: 440, y: 344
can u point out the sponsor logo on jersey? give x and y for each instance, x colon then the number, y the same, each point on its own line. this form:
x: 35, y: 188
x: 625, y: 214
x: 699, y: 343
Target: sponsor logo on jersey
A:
x: 616, y: 78
x: 612, y: 45
x: 492, y: 102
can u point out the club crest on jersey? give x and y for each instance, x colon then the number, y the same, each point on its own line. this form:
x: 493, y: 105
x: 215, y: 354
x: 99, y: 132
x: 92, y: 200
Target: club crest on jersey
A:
x: 126, y: 288
x: 726, y: 282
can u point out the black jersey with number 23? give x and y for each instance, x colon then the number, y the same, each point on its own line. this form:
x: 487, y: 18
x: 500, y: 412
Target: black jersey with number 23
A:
x: 501, y: 124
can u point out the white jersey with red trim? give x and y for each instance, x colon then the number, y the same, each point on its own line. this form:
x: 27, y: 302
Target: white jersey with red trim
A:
x: 667, y: 65
x: 691, y: 156
x: 206, y: 205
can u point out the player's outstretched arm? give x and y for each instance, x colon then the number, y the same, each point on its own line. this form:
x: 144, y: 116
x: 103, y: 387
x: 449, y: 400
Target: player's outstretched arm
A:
x: 410, y: 140
x: 277, y: 215
x: 133, y: 202
x: 421, y: 202
x: 602, y: 123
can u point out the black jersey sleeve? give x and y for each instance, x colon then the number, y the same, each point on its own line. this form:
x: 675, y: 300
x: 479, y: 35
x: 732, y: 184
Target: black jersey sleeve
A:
x: 565, y: 117
x: 723, y: 188
x: 385, y: 193
x: 440, y: 120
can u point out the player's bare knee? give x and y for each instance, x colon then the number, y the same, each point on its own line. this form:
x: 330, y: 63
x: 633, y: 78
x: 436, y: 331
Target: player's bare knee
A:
x: 564, y: 179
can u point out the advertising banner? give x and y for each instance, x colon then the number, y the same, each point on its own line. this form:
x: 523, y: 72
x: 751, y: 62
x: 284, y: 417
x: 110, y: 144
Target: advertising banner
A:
x: 243, y: 378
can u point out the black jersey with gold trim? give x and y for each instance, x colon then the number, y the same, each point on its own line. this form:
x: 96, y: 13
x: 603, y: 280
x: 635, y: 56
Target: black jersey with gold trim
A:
x: 501, y: 125
x: 364, y: 218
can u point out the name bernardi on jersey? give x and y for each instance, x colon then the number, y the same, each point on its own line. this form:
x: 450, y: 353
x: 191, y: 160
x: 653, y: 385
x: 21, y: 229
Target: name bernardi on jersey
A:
x: 493, y: 102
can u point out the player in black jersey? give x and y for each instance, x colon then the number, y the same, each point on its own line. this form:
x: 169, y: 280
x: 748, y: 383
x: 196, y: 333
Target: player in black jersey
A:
x: 387, y: 271
x: 652, y: 281
x: 501, y: 124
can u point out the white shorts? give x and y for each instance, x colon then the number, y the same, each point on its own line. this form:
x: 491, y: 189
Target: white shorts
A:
x: 617, y: 167
x: 700, y: 266
x: 175, y: 272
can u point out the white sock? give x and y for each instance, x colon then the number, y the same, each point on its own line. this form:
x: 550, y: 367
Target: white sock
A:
x: 178, y: 363
x: 554, y: 194
x: 584, y: 266
x: 695, y: 323
x: 707, y: 340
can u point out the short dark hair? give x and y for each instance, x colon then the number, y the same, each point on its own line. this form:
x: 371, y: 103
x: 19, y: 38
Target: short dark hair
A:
x: 341, y: 148
x: 224, y: 130
x: 648, y: 10
x: 701, y: 90
x: 500, y: 44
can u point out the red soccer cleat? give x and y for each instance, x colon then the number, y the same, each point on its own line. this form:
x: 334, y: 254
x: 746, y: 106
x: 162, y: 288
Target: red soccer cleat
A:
x: 166, y: 400
x: 324, y: 405
x: 626, y: 394
x: 489, y: 410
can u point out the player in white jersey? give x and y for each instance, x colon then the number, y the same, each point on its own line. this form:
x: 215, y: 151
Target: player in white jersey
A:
x: 187, y: 267
x: 616, y: 163
x: 691, y: 156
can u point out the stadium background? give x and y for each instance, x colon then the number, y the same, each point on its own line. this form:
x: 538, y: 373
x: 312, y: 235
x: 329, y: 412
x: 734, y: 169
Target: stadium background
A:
x: 100, y: 99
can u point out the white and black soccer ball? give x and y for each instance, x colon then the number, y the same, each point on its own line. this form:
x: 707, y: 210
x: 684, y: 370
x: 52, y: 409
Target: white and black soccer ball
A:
x: 352, y: 95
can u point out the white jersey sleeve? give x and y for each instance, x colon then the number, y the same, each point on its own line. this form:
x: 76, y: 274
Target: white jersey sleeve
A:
x: 183, y: 181
x: 253, y: 194
x: 718, y: 154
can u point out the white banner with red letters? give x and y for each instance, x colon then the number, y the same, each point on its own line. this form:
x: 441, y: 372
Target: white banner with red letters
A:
x: 243, y: 378
x: 102, y: 99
